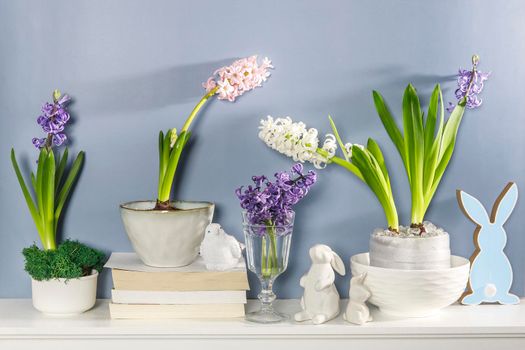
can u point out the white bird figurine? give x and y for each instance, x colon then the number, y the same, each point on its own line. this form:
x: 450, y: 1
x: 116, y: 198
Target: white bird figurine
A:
x: 220, y: 250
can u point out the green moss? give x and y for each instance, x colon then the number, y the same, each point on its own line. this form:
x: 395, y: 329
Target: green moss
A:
x: 71, y: 259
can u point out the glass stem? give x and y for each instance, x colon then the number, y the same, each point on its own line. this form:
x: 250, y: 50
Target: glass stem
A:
x: 266, y: 296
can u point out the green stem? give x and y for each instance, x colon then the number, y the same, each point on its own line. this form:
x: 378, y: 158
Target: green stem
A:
x: 196, y: 109
x: 343, y: 163
x: 270, y: 263
x: 264, y: 259
x: 49, y: 241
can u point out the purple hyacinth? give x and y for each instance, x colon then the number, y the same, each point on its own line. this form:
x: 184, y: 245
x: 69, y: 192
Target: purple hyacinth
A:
x: 270, y: 203
x: 53, y: 120
x: 470, y: 85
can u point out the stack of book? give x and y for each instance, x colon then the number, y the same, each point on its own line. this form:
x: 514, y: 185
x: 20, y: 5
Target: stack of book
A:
x: 141, y: 291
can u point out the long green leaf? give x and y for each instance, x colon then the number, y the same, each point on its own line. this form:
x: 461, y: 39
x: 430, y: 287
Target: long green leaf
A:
x: 29, y: 200
x: 39, y: 177
x: 432, y: 153
x: 166, y: 149
x: 390, y: 125
x: 33, y: 181
x: 164, y: 158
x: 451, y: 129
x: 414, y: 145
x: 447, y: 144
x: 430, y: 124
x: 374, y: 178
x: 162, y: 166
x: 62, y: 162
x: 68, y: 183
x: 374, y: 149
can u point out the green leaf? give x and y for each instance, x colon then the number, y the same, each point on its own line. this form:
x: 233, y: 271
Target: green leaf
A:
x: 338, y: 138
x: 345, y: 164
x: 166, y: 149
x: 162, y: 166
x: 451, y: 129
x: 39, y: 178
x: 432, y: 151
x: 33, y: 181
x: 414, y: 146
x: 373, y: 176
x: 430, y: 124
x: 29, y: 200
x: 374, y: 149
x: 390, y: 125
x: 447, y: 144
x: 173, y: 162
x: 62, y: 162
x: 68, y: 183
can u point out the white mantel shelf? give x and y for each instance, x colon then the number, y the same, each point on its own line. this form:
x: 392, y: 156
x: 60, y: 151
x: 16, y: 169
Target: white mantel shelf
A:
x: 481, y: 327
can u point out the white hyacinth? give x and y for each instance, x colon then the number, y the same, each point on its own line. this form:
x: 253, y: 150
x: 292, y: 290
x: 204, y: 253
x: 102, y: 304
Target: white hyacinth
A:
x: 296, y: 141
x: 348, y: 148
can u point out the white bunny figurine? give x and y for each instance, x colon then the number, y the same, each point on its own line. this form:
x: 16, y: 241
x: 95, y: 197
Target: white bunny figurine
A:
x: 356, y: 311
x: 320, y: 302
x: 220, y: 250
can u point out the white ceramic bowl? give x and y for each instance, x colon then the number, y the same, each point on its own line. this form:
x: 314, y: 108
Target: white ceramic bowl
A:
x: 412, y: 293
x: 61, y: 297
x: 166, y: 238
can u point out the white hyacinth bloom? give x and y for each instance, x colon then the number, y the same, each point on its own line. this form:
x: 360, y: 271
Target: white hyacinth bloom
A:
x: 173, y: 137
x: 295, y: 140
x: 348, y: 148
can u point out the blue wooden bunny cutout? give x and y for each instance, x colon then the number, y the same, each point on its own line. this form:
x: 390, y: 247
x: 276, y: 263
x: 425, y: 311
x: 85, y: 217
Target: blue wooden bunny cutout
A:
x: 490, y: 271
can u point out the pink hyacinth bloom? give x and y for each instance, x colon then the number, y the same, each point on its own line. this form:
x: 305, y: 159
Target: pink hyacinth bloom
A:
x: 241, y: 76
x: 209, y: 84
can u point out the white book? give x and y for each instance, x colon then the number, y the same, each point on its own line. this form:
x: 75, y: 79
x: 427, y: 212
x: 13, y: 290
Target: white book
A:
x: 131, y: 262
x: 178, y: 297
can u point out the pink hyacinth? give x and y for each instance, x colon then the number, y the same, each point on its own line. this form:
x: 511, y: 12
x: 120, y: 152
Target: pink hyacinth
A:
x: 243, y: 75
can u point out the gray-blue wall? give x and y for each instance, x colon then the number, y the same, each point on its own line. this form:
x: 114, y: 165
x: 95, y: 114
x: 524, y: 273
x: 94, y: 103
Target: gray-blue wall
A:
x: 135, y: 67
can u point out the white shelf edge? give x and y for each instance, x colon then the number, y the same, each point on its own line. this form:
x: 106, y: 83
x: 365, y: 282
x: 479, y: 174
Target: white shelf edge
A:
x: 18, y: 320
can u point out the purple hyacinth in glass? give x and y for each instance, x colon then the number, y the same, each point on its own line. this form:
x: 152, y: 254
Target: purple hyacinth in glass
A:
x: 53, y: 120
x: 470, y: 85
x: 268, y: 219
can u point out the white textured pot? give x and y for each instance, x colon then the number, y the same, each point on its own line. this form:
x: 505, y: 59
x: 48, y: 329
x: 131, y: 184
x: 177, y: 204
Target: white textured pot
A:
x: 412, y: 293
x: 166, y: 238
x: 63, y: 297
x: 410, y: 252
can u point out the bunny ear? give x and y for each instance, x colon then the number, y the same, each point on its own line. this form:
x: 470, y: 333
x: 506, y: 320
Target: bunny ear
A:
x: 472, y: 208
x: 505, y: 204
x: 337, y: 264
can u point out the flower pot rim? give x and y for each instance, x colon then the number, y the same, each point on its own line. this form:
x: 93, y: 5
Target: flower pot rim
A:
x: 205, y: 206
x: 460, y: 264
x: 410, y: 237
x: 94, y: 274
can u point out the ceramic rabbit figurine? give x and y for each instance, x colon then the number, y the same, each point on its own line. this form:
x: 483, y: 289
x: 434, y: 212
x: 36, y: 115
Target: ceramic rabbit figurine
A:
x: 356, y: 311
x: 220, y: 250
x: 320, y: 302
x: 490, y: 272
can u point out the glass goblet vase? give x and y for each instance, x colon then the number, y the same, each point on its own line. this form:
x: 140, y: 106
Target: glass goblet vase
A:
x: 267, y: 252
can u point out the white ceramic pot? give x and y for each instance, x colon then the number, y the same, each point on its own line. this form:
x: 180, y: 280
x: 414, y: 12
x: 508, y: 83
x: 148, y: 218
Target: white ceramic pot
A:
x: 412, y: 293
x: 166, y: 238
x: 63, y: 297
x: 410, y: 252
